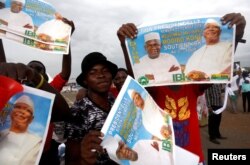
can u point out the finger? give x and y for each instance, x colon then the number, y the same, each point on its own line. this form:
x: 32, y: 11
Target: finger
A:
x: 233, y: 18
x: 131, y: 30
x: 24, y: 72
x: 97, y: 148
x: 95, y: 133
x: 128, y: 30
x: 237, y: 21
x: 227, y: 18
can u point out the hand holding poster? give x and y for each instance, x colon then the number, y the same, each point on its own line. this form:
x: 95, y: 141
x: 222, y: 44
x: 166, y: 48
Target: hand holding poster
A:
x: 24, y: 125
x: 136, y: 125
x: 35, y: 23
x: 188, y: 51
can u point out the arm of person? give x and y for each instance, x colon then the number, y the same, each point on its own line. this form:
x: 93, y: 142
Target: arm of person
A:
x: 66, y: 65
x: 62, y: 78
x: 86, y: 152
x: 2, y: 53
x: 66, y: 62
x: 19, y: 71
x: 60, y: 109
x: 127, y: 30
x: 240, y: 22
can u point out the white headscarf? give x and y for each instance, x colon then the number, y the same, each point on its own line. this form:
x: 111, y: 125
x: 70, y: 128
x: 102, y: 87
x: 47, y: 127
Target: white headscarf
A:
x: 213, y: 21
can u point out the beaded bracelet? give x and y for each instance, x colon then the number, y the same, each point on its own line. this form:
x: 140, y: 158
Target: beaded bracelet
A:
x: 41, y: 82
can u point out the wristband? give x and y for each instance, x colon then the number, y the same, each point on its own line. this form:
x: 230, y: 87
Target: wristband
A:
x: 41, y: 82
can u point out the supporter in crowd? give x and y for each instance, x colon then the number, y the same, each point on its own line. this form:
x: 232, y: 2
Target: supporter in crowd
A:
x: 233, y: 89
x: 118, y: 81
x: 244, y: 90
x: 214, y: 102
x: 89, y: 114
x: 83, y: 131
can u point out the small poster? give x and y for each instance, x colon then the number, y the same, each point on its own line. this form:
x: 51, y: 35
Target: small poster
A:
x: 34, y: 23
x: 24, y: 124
x: 136, y: 124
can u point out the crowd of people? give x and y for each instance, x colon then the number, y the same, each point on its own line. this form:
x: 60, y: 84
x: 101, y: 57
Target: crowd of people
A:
x: 84, y: 120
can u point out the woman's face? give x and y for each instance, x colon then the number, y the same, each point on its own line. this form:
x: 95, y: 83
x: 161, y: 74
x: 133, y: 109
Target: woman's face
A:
x: 120, y: 79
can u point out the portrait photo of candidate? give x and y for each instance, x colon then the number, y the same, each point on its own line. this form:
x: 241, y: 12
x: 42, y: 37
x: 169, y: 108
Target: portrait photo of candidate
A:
x: 156, y: 66
x: 17, y: 144
x: 23, y: 134
x: 214, y: 57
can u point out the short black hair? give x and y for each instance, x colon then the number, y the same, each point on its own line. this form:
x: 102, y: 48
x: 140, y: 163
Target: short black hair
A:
x: 122, y: 69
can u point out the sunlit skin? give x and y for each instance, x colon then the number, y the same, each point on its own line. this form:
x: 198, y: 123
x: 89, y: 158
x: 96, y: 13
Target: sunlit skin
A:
x: 16, y: 7
x: 211, y: 34
x: 138, y: 100
x: 21, y: 117
x: 119, y: 79
x: 153, y: 47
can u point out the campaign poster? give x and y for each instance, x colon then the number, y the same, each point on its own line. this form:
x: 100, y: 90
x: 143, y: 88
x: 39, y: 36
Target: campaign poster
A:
x: 138, y: 132
x: 137, y: 124
x: 24, y: 122
x: 34, y: 23
x: 183, y: 51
